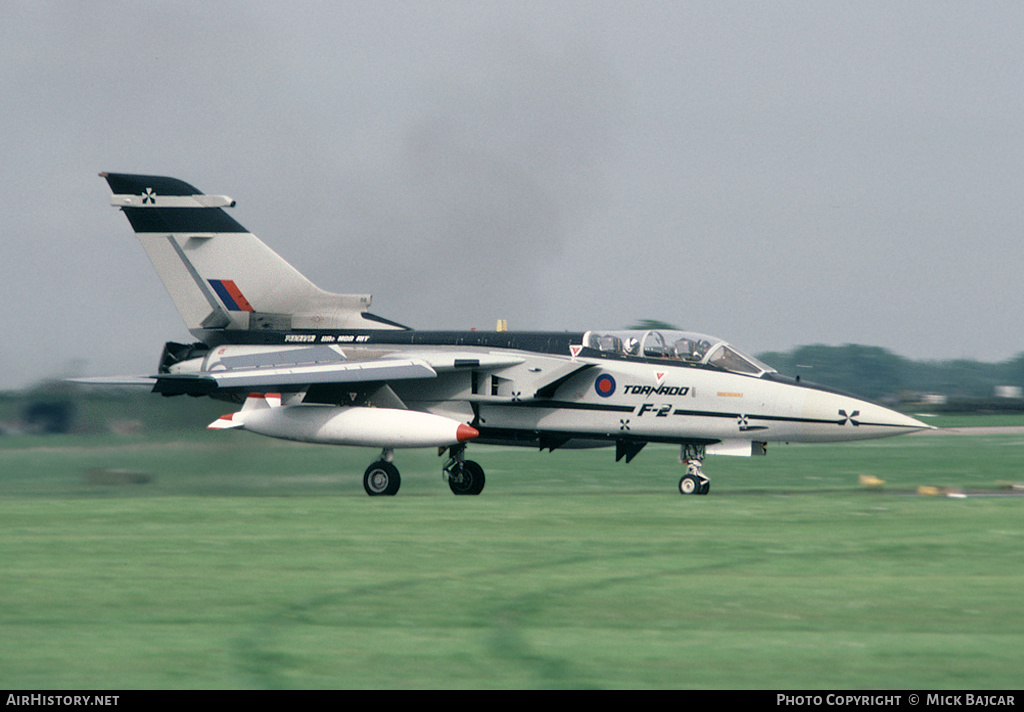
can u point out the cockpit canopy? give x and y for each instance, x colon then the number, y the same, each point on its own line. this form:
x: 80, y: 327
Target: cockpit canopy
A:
x: 684, y: 346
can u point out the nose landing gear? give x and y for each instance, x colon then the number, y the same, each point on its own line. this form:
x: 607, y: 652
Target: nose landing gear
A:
x: 694, y: 481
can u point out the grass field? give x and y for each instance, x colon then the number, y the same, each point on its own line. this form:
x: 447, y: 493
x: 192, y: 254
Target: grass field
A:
x: 223, y: 560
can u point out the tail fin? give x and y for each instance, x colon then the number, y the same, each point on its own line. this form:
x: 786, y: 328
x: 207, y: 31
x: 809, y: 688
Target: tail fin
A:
x: 221, y: 276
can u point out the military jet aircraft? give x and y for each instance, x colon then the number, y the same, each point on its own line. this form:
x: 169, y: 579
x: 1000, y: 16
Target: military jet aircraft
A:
x: 318, y: 367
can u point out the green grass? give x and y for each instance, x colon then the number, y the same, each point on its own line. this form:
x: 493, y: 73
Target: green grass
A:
x: 249, y: 563
x: 969, y: 420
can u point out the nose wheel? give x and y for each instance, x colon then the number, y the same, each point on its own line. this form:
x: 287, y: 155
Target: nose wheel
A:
x: 694, y: 484
x: 694, y: 481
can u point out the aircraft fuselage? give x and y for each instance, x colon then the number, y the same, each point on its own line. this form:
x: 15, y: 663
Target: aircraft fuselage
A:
x: 317, y: 366
x: 547, y: 389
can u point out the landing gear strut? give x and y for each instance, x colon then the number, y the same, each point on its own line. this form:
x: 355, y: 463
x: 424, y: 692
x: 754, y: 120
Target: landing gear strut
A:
x: 464, y: 476
x: 382, y: 478
x: 694, y: 481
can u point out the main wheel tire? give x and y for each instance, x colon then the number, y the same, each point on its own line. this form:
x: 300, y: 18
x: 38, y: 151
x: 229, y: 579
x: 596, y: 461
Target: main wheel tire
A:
x: 472, y: 481
x: 705, y: 487
x: 689, y: 484
x: 381, y: 479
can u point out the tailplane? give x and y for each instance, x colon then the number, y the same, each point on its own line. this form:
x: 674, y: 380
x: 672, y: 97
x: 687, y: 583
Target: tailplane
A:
x: 221, y: 276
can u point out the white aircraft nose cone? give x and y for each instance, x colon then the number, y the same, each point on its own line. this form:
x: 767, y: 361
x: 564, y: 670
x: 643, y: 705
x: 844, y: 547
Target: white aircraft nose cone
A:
x: 855, y: 419
x: 904, y: 423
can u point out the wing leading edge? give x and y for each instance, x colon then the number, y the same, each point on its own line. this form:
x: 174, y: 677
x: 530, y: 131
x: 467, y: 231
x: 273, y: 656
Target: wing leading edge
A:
x: 395, y: 367
x: 207, y: 382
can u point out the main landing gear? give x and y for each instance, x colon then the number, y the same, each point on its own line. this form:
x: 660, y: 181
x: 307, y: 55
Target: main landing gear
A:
x: 694, y: 481
x: 464, y: 476
x: 381, y: 479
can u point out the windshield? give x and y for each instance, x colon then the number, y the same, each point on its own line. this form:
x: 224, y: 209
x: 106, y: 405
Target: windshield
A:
x: 676, y: 346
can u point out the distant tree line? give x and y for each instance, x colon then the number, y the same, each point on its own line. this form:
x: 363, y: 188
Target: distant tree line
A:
x: 876, y: 373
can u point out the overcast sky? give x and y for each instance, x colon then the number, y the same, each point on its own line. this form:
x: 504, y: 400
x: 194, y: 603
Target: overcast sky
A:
x: 775, y: 173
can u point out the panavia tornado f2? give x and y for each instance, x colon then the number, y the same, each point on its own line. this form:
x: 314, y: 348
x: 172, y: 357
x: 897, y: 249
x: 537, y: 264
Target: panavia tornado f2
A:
x: 318, y: 367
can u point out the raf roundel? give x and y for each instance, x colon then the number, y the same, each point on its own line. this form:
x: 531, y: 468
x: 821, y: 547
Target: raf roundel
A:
x: 604, y: 385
